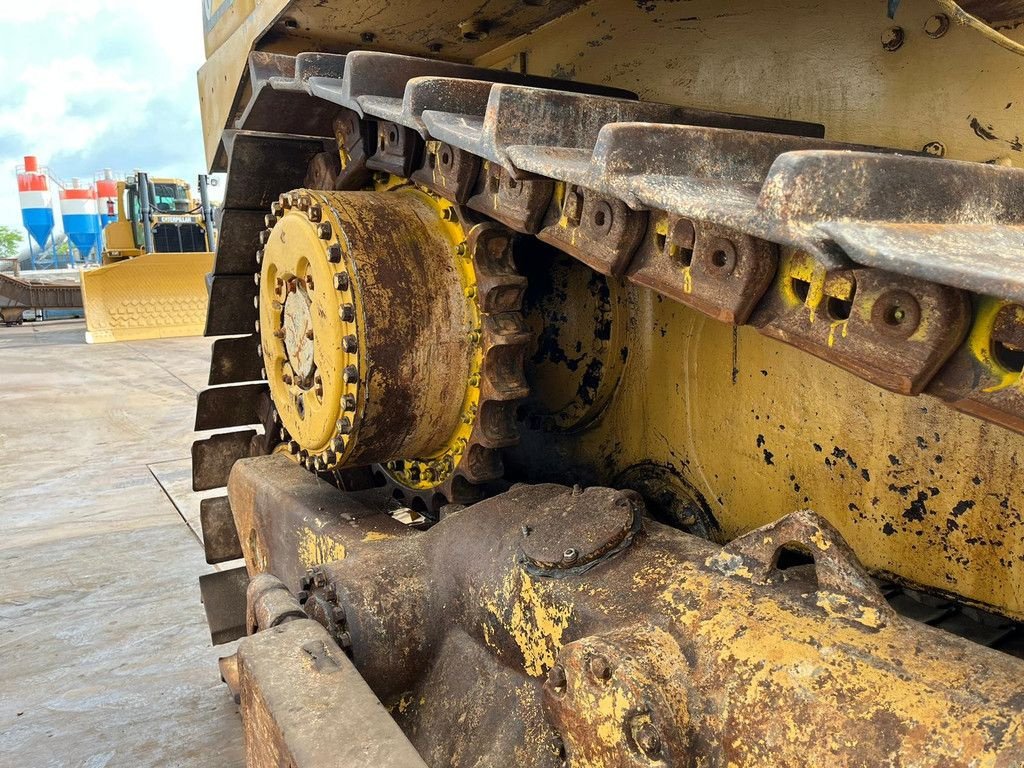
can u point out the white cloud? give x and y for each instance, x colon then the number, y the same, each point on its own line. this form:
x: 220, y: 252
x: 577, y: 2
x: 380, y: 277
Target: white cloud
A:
x: 106, y: 83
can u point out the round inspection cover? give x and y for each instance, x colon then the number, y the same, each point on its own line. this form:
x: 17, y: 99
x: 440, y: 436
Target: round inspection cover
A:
x: 578, y: 527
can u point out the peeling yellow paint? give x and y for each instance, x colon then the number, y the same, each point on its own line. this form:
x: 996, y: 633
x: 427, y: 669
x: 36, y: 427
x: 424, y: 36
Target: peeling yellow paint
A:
x: 535, y: 624
x: 318, y: 548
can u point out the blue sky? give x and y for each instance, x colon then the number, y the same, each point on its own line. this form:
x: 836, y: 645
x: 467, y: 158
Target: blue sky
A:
x: 93, y: 84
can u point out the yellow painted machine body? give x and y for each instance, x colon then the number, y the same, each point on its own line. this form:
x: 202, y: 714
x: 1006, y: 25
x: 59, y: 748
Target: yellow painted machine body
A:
x: 138, y: 294
x: 736, y: 424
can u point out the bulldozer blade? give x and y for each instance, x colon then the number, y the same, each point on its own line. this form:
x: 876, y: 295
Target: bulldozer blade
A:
x: 154, y: 296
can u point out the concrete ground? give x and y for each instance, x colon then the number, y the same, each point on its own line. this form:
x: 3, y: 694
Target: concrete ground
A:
x: 105, y: 659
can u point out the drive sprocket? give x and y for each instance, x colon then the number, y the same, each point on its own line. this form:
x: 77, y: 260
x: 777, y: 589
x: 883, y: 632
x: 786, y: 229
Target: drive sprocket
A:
x: 392, y: 335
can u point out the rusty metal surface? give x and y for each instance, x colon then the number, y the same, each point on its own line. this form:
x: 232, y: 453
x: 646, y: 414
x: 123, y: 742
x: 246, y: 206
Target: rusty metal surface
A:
x: 304, y: 705
x: 231, y: 309
x: 228, y: 406
x: 892, y: 331
x: 631, y: 659
x: 235, y: 359
x: 36, y: 294
x: 571, y: 121
x: 518, y: 204
x: 379, y: 79
x: 289, y: 521
x: 213, y: 457
x: 223, y: 595
x: 220, y: 539
x: 602, y: 232
x: 718, y: 271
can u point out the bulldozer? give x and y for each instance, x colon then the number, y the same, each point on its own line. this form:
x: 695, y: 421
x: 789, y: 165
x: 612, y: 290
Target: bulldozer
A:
x: 158, y: 251
x: 617, y: 383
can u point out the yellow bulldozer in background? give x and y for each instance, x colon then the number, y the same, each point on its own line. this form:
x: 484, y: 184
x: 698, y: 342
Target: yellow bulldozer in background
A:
x: 156, y: 257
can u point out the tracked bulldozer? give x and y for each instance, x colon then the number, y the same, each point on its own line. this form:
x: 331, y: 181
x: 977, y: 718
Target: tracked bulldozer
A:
x: 617, y: 384
x: 157, y: 254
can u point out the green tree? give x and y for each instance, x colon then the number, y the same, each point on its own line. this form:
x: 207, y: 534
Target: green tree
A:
x: 10, y: 240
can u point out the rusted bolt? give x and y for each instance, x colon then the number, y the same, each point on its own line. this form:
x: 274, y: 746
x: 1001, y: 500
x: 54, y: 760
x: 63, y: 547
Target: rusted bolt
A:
x: 897, y: 313
x: 286, y: 378
x: 350, y: 375
x: 347, y: 313
x: 293, y: 285
x: 338, y: 444
x: 278, y: 285
x: 277, y: 209
x: 315, y: 213
x: 286, y: 201
x: 279, y: 333
x: 570, y: 555
x: 935, y: 149
x: 367, y: 37
x: 334, y: 254
x: 646, y: 737
x: 936, y: 26
x: 600, y: 668
x: 350, y: 343
x: 341, y: 280
x: 474, y: 30
x: 348, y: 402
x: 892, y: 38
x: 324, y: 230
x: 556, y: 679
x: 309, y: 282
x: 270, y: 220
x: 304, y: 202
x: 309, y: 334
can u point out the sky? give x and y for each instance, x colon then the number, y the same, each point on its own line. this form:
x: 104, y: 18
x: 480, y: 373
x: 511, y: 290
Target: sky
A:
x: 93, y: 84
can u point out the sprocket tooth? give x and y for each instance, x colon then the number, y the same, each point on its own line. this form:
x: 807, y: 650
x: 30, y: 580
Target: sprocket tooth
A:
x: 496, y: 424
x: 481, y: 464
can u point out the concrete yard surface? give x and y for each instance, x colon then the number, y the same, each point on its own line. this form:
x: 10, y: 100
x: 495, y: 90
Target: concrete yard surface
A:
x: 105, y: 659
